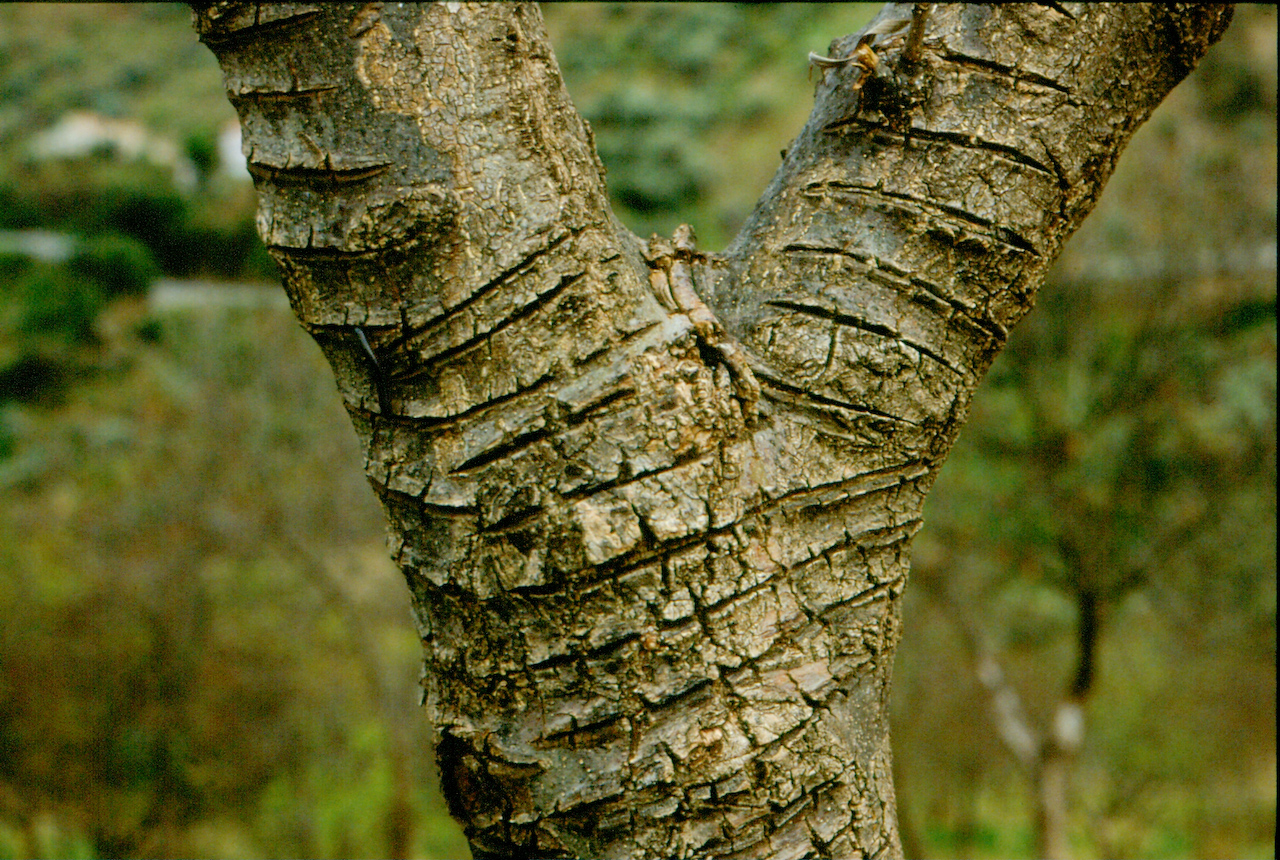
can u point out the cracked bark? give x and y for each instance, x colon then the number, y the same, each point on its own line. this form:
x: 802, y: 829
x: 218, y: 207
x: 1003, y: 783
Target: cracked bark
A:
x: 656, y: 542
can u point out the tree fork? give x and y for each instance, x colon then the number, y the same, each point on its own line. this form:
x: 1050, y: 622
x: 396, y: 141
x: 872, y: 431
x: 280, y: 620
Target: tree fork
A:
x: 656, y: 540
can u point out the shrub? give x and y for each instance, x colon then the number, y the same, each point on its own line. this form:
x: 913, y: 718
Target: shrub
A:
x: 33, y: 376
x: 58, y: 304
x: 120, y: 265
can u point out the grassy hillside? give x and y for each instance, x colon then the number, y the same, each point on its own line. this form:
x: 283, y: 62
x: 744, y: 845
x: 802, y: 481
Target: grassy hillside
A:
x: 137, y: 61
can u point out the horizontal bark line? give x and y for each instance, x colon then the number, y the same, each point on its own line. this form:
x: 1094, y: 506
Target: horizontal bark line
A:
x: 892, y: 275
x: 737, y: 835
x: 864, y: 325
x: 718, y: 609
x: 513, y: 520
x: 501, y: 279
x: 881, y: 591
x: 875, y: 479
x: 434, y: 423
x: 848, y: 489
x: 1013, y: 72
x: 441, y: 422
x: 251, y: 96
x: 333, y: 253
x: 427, y: 364
x: 602, y: 651
x: 796, y: 391
x: 779, y: 819
x: 686, y: 695
x: 525, y: 440
x: 1001, y: 234
x: 504, y: 449
x: 447, y: 511
x: 964, y: 141
x: 679, y: 462
x: 734, y: 683
x: 220, y: 39
x: 713, y: 617
x: 618, y: 567
x: 866, y: 538
x: 1057, y: 7
x: 583, y: 735
x: 316, y: 178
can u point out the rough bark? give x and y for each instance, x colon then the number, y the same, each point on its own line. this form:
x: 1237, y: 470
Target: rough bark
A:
x: 654, y: 505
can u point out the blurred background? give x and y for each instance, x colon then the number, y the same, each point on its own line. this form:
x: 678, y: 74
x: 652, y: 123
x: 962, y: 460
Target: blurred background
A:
x: 205, y: 652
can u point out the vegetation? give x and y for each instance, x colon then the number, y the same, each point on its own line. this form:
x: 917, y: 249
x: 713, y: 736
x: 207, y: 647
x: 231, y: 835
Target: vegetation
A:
x: 210, y: 658
x: 206, y: 652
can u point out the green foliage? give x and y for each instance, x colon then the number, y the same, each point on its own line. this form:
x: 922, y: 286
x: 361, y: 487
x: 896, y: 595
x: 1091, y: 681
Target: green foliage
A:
x: 17, y: 209
x: 156, y: 216
x: 222, y: 242
x: 137, y: 60
x: 29, y: 378
x: 57, y: 305
x: 1123, y: 445
x: 195, y: 673
x: 201, y: 147
x: 690, y: 103
x: 49, y: 314
x: 120, y: 265
x: 647, y: 135
x: 185, y: 236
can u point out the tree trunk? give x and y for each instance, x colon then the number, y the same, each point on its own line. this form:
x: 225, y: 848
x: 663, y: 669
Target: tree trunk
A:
x: 653, y: 504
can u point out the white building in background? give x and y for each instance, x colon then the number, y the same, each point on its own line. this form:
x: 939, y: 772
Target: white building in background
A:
x: 43, y: 245
x: 231, y: 160
x: 81, y: 133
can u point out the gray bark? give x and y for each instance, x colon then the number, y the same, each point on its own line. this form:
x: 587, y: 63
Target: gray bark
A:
x: 654, y: 505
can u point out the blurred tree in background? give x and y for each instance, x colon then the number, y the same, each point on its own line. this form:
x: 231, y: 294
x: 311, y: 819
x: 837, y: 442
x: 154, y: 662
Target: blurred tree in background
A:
x: 205, y: 651
x: 1103, y: 536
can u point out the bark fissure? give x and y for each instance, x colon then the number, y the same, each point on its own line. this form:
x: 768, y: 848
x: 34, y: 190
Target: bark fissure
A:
x: 913, y: 203
x: 316, y: 178
x: 499, y: 452
x: 1012, y: 72
x: 232, y: 36
x: 478, y: 410
x: 503, y: 278
x: 267, y: 95
x: 620, y: 482
x: 435, y: 510
x: 425, y: 363
x: 330, y: 253
x: 866, y: 325
x: 805, y: 394
x: 950, y: 138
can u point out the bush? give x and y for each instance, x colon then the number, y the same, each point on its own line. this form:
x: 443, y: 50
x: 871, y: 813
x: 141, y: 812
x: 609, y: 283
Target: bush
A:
x: 210, y: 235
x: 120, y: 265
x: 46, y: 319
x: 31, y: 377
x: 58, y: 304
x: 201, y: 148
x: 156, y: 217
x: 12, y: 266
x: 17, y: 209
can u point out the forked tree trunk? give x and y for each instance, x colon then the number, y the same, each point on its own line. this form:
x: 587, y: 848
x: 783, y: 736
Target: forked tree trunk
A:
x: 657, y: 546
